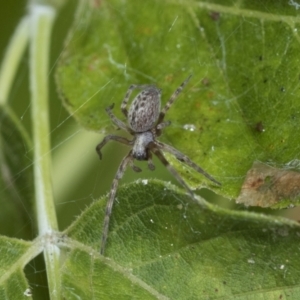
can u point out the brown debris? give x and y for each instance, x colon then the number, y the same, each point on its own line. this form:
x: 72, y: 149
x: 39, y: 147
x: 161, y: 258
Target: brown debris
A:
x: 259, y: 126
x: 266, y: 186
x: 215, y: 15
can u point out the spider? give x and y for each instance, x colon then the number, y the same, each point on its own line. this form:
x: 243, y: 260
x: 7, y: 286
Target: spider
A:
x: 145, y: 122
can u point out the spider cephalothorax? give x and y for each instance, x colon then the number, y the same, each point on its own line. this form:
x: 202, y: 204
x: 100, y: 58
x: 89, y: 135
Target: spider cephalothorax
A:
x: 145, y: 122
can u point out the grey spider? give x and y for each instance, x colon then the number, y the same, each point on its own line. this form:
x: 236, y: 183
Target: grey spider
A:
x: 145, y: 123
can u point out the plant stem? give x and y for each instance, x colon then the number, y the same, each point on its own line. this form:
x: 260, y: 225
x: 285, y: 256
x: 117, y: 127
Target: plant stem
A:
x: 12, y: 58
x: 42, y: 19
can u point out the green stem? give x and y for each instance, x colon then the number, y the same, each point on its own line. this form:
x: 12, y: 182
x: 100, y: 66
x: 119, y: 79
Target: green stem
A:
x: 12, y: 58
x: 42, y: 19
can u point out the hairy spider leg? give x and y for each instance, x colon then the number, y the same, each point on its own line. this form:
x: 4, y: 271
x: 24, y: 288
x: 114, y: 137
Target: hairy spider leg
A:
x: 161, y: 157
x: 185, y: 159
x: 151, y: 165
x: 171, y: 100
x: 126, y: 160
x: 128, y: 94
x: 116, y: 121
x: 163, y: 125
x: 135, y: 168
x: 109, y: 138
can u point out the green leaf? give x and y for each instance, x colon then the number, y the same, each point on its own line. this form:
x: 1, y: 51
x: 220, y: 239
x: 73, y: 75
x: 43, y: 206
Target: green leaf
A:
x: 13, y: 284
x: 16, y: 182
x: 163, y: 244
x: 241, y: 104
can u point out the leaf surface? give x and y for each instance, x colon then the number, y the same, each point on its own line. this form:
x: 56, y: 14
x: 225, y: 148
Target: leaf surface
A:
x: 241, y: 104
x: 13, y: 284
x: 164, y: 245
x: 16, y: 182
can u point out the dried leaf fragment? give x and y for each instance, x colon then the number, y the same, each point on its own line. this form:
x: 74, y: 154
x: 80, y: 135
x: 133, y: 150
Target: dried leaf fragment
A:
x: 267, y: 186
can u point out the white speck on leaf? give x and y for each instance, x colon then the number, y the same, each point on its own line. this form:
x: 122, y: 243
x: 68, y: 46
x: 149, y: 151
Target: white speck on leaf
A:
x: 28, y: 293
x: 179, y: 206
x: 189, y: 127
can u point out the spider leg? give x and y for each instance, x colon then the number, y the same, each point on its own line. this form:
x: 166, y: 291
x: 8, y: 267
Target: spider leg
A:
x: 115, y: 120
x: 183, y: 158
x: 109, y: 138
x: 161, y: 157
x: 163, y: 125
x: 135, y: 168
x: 151, y: 165
x: 171, y: 100
x: 127, y: 96
x: 126, y: 160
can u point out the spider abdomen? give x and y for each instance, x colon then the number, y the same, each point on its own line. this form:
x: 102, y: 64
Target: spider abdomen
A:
x: 144, y: 110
